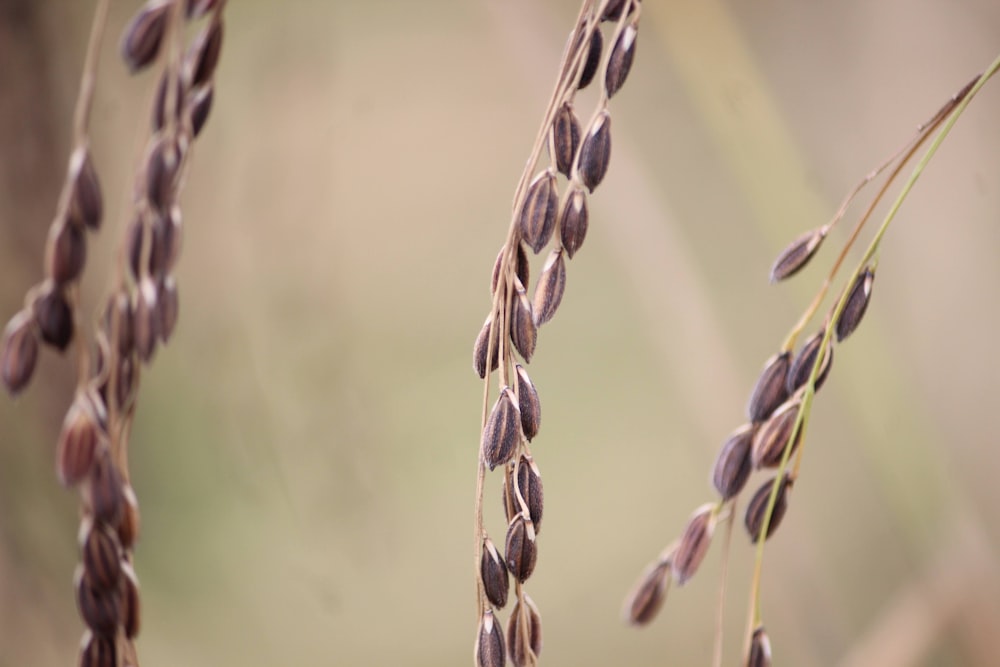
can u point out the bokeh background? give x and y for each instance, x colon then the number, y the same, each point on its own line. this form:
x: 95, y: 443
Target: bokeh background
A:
x: 305, y: 449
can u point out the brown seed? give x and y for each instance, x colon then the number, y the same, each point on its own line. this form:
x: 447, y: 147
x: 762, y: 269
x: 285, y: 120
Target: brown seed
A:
x: 529, y: 489
x: 521, y: 549
x: 168, y: 304
x: 146, y: 319
x: 160, y: 102
x: 199, y: 104
x: 802, y: 366
x: 614, y: 10
x: 550, y: 287
x: 857, y: 304
x: 128, y: 525
x: 523, y: 332
x: 135, y: 235
x: 157, y: 246
x: 733, y: 466
x: 120, y: 322
x: 770, y: 390
x: 760, y: 649
x: 489, y: 642
x: 797, y: 254
x: 527, y: 400
x: 105, y: 489
x: 524, y: 633
x: 99, y: 608
x: 772, y: 437
x: 204, y: 54
x: 53, y: 316
x: 694, y: 543
x: 757, y: 508
x: 502, y: 432
x: 595, y: 153
x: 144, y: 33
x: 101, y: 554
x: 493, y: 571
x: 130, y: 602
x: 593, y: 60
x: 162, y: 162
x: 621, y: 60
x: 539, y: 210
x: 86, y: 203
x: 647, y: 597
x: 573, y: 220
x: 78, y: 442
x: 66, y: 252
x: 481, y: 349
x: 20, y: 352
x: 172, y: 234
x: 565, y: 138
x: 521, y: 270
x: 98, y: 651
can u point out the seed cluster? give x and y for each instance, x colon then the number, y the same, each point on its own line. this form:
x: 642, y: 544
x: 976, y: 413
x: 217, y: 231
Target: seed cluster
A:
x: 580, y: 154
x: 139, y: 314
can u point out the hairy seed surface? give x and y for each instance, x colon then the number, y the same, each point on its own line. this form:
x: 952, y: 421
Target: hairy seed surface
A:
x: 797, y: 254
x: 857, y: 304
x: 733, y: 465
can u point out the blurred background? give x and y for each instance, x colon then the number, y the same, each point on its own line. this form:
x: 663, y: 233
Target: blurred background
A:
x: 305, y: 449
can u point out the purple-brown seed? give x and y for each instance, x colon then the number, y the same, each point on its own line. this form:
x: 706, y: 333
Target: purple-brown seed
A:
x: 20, y: 352
x: 501, y: 435
x: 144, y: 33
x: 86, y: 202
x: 694, y: 543
x: 856, y: 305
x: 539, y: 210
x: 521, y: 550
x: 204, y: 54
x: 66, y: 252
x: 797, y: 254
x: 550, y: 287
x: 733, y: 465
x: 770, y: 390
x: 128, y: 525
x: 595, y: 153
x: 523, y: 332
x: 529, y: 489
x: 565, y: 138
x: 169, y: 305
x: 78, y: 442
x: 524, y: 633
x: 802, y: 366
x: 646, y: 599
x: 100, y: 609
x: 481, y: 348
x: 489, y: 649
x: 757, y: 508
x: 573, y: 221
x: 760, y: 649
x: 101, y: 554
x: 162, y: 163
x: 522, y: 268
x: 593, y: 59
x: 131, y: 616
x: 105, y: 489
x: 146, y: 319
x: 527, y: 400
x: 53, y: 316
x: 160, y: 111
x: 98, y: 651
x: 621, y: 60
x: 614, y: 10
x: 198, y: 105
x: 773, y: 436
x: 493, y: 572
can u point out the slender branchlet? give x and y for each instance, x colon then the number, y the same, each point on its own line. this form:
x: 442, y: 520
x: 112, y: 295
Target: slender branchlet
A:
x: 600, y: 49
x: 780, y: 402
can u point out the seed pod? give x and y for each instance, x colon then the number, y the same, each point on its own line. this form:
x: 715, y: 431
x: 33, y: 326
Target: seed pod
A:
x: 168, y: 304
x: 523, y: 332
x: 198, y: 106
x: 143, y: 35
x: 565, y: 138
x: 203, y: 57
x: 66, y: 252
x: 78, y: 442
x: 128, y: 525
x: 86, y: 206
x: 529, y: 489
x: 770, y: 390
x: 527, y: 400
x: 754, y: 519
x: 647, y: 597
x: 772, y: 437
x: 694, y: 543
x: 105, y: 489
x: 621, y: 60
x: 493, y: 572
x: 98, y: 651
x: 595, y: 153
x: 489, y: 643
x: 573, y: 220
x: 521, y: 269
x: 550, y: 287
x: 480, y: 350
x: 160, y: 101
x: 100, y: 554
x: 614, y: 10
x: 593, y: 59
x: 146, y: 320
x: 53, y: 316
x: 521, y: 549
x: 162, y: 162
x: 538, y: 212
x: 760, y: 649
x: 524, y: 633
x: 100, y: 609
x: 20, y: 352
x: 797, y: 254
x: 857, y: 304
x: 502, y: 432
x: 733, y: 466
x: 130, y: 602
x: 802, y: 367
